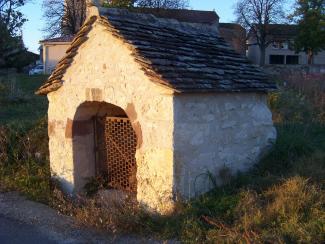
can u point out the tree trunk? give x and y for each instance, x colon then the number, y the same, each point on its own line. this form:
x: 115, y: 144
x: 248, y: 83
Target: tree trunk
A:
x: 310, y: 57
x: 262, y: 57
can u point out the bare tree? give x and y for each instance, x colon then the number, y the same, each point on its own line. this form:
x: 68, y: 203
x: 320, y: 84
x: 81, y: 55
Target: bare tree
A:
x: 63, y: 17
x: 256, y: 16
x: 173, y: 4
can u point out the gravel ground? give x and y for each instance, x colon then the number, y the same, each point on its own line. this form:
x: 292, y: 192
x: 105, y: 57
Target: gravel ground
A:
x: 24, y: 221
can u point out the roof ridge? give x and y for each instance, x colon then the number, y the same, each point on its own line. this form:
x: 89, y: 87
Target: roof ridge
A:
x: 62, y: 38
x: 150, y: 18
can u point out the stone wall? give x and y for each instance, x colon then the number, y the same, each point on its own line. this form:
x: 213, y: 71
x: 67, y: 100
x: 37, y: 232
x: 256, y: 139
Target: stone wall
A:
x: 216, y: 132
x: 104, y: 71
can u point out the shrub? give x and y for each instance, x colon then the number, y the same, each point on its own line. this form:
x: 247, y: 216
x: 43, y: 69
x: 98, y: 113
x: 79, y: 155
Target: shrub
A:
x: 301, y: 98
x: 290, y: 106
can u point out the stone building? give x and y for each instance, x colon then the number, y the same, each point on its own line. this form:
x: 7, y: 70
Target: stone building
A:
x: 153, y: 104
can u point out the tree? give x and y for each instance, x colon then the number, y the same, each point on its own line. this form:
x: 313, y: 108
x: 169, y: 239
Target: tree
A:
x: 256, y: 16
x: 118, y: 3
x: 63, y: 17
x: 11, y: 21
x: 173, y: 4
x: 310, y: 17
x: 11, y: 17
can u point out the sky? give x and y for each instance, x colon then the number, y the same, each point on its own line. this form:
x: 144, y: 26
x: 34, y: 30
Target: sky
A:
x: 32, y: 30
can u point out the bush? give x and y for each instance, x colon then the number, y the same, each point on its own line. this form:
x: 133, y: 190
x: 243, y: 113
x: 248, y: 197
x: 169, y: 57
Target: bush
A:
x: 301, y: 98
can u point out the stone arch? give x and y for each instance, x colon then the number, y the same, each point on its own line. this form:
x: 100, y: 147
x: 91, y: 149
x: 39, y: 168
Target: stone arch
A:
x: 96, y: 145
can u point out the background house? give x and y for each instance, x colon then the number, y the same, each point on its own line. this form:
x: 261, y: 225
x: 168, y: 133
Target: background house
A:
x: 280, y: 51
x: 53, y: 50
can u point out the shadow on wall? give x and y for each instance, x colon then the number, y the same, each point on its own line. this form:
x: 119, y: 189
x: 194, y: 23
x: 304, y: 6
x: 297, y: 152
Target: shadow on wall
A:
x: 88, y: 139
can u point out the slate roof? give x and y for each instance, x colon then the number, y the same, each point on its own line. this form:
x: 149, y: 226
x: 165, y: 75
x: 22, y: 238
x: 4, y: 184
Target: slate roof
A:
x: 185, y: 57
x: 182, y: 15
x: 282, y: 30
x: 232, y: 26
x: 68, y: 38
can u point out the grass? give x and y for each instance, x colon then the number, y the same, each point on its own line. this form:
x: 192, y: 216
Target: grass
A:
x: 281, y: 200
x: 18, y: 103
x: 24, y: 164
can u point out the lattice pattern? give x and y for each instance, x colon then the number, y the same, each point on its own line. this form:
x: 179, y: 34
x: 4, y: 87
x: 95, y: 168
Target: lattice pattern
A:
x: 121, y: 146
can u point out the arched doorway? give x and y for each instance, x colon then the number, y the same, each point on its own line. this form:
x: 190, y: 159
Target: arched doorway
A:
x: 104, y: 146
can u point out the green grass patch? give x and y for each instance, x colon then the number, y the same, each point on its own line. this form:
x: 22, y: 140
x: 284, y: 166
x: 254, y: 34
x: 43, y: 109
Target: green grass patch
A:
x: 18, y: 103
x: 24, y: 164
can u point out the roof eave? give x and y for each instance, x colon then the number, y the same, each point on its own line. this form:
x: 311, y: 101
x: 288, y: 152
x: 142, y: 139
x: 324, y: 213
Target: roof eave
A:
x: 55, y: 43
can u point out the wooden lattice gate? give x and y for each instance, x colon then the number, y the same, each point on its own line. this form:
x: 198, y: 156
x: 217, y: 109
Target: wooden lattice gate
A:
x: 118, y: 155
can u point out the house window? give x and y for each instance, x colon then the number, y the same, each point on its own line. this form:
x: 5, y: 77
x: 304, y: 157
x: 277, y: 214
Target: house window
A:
x: 280, y: 45
x: 292, y: 59
x: 276, y: 59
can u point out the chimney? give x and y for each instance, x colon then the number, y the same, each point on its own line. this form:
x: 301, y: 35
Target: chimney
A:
x: 93, y: 7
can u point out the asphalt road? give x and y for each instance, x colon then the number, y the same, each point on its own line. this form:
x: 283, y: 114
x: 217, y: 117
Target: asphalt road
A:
x: 27, y: 222
x: 14, y: 232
